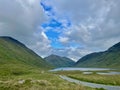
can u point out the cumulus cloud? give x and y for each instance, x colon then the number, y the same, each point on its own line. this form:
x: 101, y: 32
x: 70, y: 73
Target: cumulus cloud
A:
x: 95, y: 26
x: 80, y: 26
x: 42, y: 45
x: 63, y: 39
x: 21, y: 19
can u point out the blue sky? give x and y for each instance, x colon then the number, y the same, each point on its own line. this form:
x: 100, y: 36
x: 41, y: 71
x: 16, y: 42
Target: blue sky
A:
x: 72, y: 28
x: 54, y: 26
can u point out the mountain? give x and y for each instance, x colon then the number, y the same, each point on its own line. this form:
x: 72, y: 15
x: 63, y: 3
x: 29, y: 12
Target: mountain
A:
x: 16, y: 57
x: 109, y: 58
x: 58, y: 61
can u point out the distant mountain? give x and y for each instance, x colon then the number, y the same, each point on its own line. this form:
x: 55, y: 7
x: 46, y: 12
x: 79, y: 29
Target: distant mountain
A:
x: 15, y: 56
x: 58, y: 61
x: 108, y: 58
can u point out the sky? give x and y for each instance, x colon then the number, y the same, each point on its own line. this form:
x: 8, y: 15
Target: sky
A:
x: 71, y: 28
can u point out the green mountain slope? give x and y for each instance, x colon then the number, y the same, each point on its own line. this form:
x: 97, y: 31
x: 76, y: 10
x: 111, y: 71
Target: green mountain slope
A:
x: 108, y: 58
x: 16, y: 57
x: 58, y: 61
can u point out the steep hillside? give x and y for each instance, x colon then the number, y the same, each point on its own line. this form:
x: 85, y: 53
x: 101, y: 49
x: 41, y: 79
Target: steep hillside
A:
x: 58, y: 61
x: 15, y: 57
x: 108, y: 58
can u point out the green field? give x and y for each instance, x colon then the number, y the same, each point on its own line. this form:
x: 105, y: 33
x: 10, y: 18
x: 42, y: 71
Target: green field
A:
x: 37, y: 80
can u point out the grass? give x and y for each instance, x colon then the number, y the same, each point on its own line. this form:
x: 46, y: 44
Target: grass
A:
x: 94, y: 78
x: 22, y: 77
x: 37, y: 80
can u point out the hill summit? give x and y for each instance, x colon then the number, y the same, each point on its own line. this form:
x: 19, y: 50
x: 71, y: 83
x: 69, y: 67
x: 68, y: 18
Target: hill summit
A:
x: 59, y: 61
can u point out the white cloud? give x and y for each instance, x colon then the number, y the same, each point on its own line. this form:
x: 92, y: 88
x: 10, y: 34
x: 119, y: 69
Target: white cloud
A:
x: 21, y: 20
x: 42, y: 45
x: 72, y: 52
x: 95, y: 25
x: 63, y: 39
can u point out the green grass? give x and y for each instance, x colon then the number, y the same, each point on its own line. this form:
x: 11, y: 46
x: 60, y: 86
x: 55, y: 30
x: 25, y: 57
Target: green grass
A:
x: 37, y: 80
x: 94, y: 78
x: 21, y: 77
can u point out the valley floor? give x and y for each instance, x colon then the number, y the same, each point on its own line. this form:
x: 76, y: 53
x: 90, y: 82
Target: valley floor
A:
x: 38, y: 80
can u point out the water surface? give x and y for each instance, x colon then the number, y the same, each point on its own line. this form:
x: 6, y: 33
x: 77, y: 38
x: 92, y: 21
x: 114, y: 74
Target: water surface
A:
x: 89, y: 70
x: 80, y: 69
x: 108, y: 73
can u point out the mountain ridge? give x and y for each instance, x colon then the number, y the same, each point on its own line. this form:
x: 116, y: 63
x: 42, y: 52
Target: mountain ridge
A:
x: 59, y: 61
x: 109, y: 58
x: 15, y: 56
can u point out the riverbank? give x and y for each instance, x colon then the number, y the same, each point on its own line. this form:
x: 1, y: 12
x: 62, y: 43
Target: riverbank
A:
x: 93, y: 85
x: 92, y: 77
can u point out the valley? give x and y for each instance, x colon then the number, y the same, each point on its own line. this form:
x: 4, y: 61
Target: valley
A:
x: 23, y: 69
x: 59, y: 44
